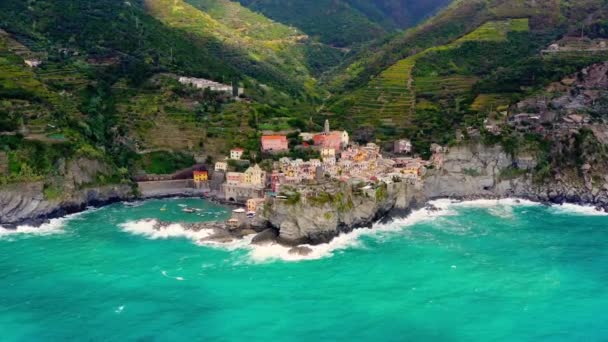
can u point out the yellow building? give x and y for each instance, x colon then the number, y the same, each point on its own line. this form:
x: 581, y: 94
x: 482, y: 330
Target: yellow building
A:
x: 200, y: 176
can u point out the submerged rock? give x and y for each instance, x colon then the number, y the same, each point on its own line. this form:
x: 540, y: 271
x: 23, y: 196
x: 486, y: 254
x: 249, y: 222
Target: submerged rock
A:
x: 300, y: 250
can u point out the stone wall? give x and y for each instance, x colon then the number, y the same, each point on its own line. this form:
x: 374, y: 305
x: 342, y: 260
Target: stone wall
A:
x: 181, y: 187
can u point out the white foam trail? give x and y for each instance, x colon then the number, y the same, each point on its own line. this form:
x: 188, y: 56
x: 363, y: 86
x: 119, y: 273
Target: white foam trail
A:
x: 146, y: 228
x: 54, y: 226
x: 581, y: 210
x: 164, y: 273
x: 271, y: 252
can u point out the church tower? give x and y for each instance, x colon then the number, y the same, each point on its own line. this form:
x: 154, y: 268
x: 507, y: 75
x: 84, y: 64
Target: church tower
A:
x: 326, y: 130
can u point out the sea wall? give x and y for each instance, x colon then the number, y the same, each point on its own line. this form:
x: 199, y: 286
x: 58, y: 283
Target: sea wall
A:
x: 180, y: 187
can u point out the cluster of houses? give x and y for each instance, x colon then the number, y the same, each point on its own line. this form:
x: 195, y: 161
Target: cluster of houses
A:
x: 339, y: 160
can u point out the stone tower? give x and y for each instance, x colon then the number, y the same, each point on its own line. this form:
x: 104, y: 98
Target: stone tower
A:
x: 326, y: 130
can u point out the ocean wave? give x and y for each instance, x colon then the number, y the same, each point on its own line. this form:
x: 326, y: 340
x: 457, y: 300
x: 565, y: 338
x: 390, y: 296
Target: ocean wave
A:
x: 147, y: 228
x: 53, y: 226
x: 502, y: 208
x: 579, y: 210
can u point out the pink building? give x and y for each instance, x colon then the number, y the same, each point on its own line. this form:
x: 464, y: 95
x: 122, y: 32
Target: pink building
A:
x: 331, y: 140
x: 274, y: 143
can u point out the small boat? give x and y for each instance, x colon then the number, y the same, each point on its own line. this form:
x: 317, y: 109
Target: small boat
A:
x: 189, y: 210
x: 164, y: 208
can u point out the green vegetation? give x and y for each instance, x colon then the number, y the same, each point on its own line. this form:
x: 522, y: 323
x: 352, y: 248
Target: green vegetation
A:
x: 165, y: 163
x: 346, y: 23
x: 512, y: 173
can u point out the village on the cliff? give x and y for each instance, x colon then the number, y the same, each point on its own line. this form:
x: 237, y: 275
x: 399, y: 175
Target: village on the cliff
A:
x: 340, y: 161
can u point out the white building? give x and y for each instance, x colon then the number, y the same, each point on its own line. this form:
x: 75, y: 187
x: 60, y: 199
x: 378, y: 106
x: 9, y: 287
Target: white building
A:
x: 221, y: 166
x: 403, y: 146
x: 328, y: 153
x: 33, y: 63
x: 236, y: 153
x: 202, y: 83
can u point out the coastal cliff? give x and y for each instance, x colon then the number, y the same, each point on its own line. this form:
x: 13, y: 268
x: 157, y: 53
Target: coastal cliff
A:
x: 468, y: 171
x: 80, y: 185
x: 325, y: 213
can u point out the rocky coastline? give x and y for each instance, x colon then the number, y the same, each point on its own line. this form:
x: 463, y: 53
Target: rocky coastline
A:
x: 468, y: 173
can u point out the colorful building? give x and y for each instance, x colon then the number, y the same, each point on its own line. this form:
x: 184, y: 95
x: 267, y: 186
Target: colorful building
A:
x: 254, y: 203
x: 275, y: 143
x: 235, y: 178
x: 200, y: 176
x: 331, y: 140
x: 255, y: 176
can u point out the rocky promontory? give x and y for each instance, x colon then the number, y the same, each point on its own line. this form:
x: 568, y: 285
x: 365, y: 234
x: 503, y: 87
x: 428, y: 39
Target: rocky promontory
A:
x: 318, y: 214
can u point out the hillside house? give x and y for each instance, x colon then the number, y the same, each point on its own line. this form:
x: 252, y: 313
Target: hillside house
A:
x: 33, y: 63
x: 255, y: 176
x: 201, y: 83
x: 235, y: 178
x: 274, y: 143
x: 221, y: 166
x: 236, y: 153
x: 331, y: 140
x: 402, y: 146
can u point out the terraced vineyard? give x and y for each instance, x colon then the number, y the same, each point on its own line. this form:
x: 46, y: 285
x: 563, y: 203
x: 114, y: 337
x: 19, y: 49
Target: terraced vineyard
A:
x: 389, y: 99
x: 444, y: 86
x: 491, y: 102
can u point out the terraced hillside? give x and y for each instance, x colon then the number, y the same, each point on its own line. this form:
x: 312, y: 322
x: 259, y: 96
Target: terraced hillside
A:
x: 254, y: 44
x: 389, y: 100
x: 30, y: 103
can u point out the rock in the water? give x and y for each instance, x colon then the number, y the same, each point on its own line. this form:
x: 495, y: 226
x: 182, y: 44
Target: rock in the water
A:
x: 300, y: 250
x: 265, y: 237
x: 219, y: 236
x: 245, y: 232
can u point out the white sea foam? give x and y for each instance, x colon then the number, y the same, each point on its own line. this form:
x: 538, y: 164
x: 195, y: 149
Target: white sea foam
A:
x: 502, y: 208
x: 146, y: 228
x: 53, y: 226
x: 581, y: 210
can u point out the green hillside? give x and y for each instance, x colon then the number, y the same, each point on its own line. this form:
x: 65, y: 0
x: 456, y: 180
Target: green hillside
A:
x: 107, y: 89
x: 474, y: 58
x: 346, y: 23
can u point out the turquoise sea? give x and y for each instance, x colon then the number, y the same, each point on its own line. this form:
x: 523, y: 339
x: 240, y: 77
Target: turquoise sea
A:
x: 480, y: 271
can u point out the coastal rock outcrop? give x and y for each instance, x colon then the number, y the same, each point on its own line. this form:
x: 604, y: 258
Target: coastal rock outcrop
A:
x: 321, y: 215
x: 34, y: 203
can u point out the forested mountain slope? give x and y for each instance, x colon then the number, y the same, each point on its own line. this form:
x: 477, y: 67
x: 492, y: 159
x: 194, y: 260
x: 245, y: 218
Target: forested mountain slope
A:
x: 345, y: 23
x: 454, y: 70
